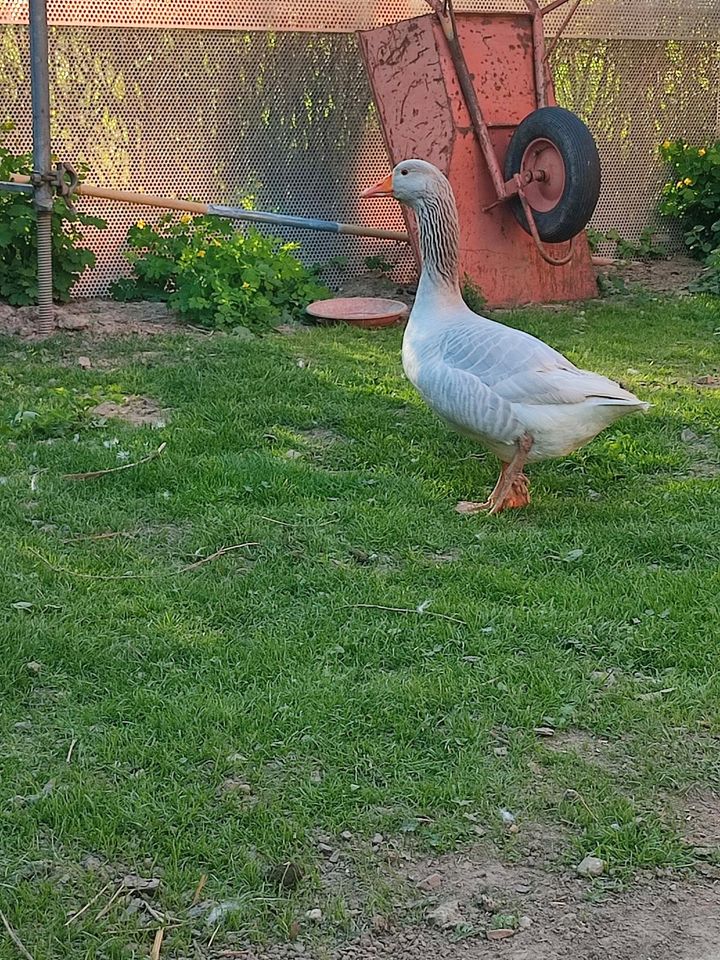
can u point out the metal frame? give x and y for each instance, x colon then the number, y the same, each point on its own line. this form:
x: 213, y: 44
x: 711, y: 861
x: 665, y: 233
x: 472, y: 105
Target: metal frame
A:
x: 505, y: 189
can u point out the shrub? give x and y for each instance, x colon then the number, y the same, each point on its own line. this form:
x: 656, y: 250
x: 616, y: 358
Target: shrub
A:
x: 709, y: 279
x: 215, y: 275
x: 18, y: 238
x: 693, y: 194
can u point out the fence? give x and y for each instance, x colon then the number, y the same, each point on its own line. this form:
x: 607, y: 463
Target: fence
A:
x: 269, y: 102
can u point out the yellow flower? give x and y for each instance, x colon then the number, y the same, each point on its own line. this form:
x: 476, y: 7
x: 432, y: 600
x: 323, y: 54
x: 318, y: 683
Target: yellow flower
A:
x: 185, y: 218
x: 667, y: 144
x: 201, y: 253
x: 246, y: 285
x: 679, y: 183
x: 702, y: 151
x: 688, y: 182
x: 140, y: 223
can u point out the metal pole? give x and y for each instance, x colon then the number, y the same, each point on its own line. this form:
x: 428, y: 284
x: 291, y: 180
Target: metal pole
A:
x: 40, y: 80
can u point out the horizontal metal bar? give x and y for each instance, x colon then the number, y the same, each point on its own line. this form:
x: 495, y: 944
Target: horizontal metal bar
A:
x: 303, y: 223
x: 16, y: 187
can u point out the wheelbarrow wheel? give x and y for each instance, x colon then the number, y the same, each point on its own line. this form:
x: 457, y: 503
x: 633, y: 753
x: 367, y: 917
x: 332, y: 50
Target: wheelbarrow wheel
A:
x: 558, y: 143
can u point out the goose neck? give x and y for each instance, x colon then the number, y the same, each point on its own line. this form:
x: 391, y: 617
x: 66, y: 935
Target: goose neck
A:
x: 439, y: 240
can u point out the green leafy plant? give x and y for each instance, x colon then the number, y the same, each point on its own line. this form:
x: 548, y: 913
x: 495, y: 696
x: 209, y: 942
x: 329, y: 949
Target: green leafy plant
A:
x: 709, y: 279
x: 644, y: 248
x: 18, y: 238
x: 215, y: 275
x: 378, y: 264
x: 693, y: 193
x: 472, y: 294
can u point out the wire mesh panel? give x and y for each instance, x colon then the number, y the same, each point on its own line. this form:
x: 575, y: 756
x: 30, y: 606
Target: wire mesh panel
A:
x: 268, y: 103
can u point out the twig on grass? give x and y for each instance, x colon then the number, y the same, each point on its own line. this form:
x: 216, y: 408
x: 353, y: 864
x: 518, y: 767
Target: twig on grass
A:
x: 140, y: 576
x: 92, y: 474
x: 73, y: 744
x: 15, y: 938
x: 421, y: 611
x: 106, y: 909
x: 199, y: 889
x: 157, y: 944
x: 87, y: 906
x: 109, y: 535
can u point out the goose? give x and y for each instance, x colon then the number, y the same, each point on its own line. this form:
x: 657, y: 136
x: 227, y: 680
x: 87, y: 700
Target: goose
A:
x: 502, y: 387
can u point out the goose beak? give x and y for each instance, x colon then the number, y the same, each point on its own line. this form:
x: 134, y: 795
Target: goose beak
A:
x: 382, y: 189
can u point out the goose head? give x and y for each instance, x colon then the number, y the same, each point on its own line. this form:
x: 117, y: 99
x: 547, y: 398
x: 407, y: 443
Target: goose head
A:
x: 423, y: 187
x: 411, y: 182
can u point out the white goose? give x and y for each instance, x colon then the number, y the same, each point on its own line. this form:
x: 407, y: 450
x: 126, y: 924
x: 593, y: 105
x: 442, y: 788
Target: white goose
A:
x: 505, y: 388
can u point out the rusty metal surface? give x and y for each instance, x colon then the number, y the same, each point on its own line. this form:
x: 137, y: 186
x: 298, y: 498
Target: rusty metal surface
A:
x: 409, y: 64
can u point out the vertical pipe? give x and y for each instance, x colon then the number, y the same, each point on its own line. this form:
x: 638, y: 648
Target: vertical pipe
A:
x: 40, y: 79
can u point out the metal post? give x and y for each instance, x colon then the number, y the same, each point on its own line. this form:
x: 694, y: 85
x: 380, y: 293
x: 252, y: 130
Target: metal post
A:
x: 40, y: 79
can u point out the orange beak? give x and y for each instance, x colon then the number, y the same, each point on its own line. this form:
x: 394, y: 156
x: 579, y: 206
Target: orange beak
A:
x: 382, y: 189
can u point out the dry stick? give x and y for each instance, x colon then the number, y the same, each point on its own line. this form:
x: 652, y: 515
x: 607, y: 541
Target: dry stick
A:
x: 155, y: 952
x: 87, y: 905
x: 15, y: 938
x: 90, y: 475
x: 214, y: 934
x: 70, y: 751
x: 213, y: 556
x: 111, y: 901
x: 109, y: 535
x: 422, y: 613
x: 141, y: 576
x: 199, y: 889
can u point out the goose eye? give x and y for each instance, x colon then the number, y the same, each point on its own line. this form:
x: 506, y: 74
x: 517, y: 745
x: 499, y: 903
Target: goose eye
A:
x: 404, y: 172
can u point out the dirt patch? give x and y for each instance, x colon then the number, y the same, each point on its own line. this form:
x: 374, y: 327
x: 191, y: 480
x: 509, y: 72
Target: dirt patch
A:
x: 709, y: 382
x: 137, y: 411
x: 704, y: 452
x: 670, y: 276
x: 699, y: 816
x: 321, y: 436
x: 374, y: 285
x: 97, y: 320
x: 462, y: 900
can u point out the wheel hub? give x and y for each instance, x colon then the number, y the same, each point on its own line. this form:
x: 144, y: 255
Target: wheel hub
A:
x: 544, y: 164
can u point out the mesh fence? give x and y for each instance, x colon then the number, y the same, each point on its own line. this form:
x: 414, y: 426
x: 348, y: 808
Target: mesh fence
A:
x: 224, y: 102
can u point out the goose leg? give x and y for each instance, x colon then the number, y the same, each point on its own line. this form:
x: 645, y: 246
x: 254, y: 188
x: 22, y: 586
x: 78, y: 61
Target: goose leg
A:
x: 512, y: 488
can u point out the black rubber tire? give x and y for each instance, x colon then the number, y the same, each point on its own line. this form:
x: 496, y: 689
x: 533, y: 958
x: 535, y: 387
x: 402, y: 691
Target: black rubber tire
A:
x: 582, y: 171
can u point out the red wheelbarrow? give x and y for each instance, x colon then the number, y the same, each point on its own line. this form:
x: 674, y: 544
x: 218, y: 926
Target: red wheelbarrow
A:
x: 472, y: 93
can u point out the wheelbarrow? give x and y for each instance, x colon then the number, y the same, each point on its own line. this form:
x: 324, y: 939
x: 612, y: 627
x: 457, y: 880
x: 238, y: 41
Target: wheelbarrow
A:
x: 472, y: 93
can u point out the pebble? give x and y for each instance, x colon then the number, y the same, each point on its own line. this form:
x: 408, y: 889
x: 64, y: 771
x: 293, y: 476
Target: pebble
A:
x: 377, y: 839
x: 544, y: 731
x: 314, y: 915
x: 346, y: 835
x: 33, y: 666
x: 446, y: 914
x: 431, y: 882
x: 500, y: 933
x: 591, y: 867
x: 325, y: 849
x: 524, y: 923
x: 84, y: 362
x: 23, y: 725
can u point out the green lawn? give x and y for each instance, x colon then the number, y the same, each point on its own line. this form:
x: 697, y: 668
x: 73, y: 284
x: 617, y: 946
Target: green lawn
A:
x: 596, y: 610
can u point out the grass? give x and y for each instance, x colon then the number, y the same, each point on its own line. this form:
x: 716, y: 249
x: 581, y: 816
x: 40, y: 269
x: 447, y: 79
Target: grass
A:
x: 596, y: 610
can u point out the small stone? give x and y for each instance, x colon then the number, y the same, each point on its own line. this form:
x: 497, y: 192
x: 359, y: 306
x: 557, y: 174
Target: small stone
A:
x: 513, y: 828
x: 334, y: 857
x: 231, y: 785
x: 315, y: 915
x: 293, y: 454
x: 522, y: 888
x: 23, y: 725
x: 500, y: 933
x: 446, y: 914
x: 325, y: 849
x: 286, y: 875
x: 500, y: 751
x: 92, y: 863
x: 591, y: 867
x: 524, y: 923
x: 346, y: 835
x: 377, y: 840
x: 507, y: 817
x: 432, y: 882
x: 73, y: 322
x: 84, y: 362
x: 33, y: 666
x: 544, y: 731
